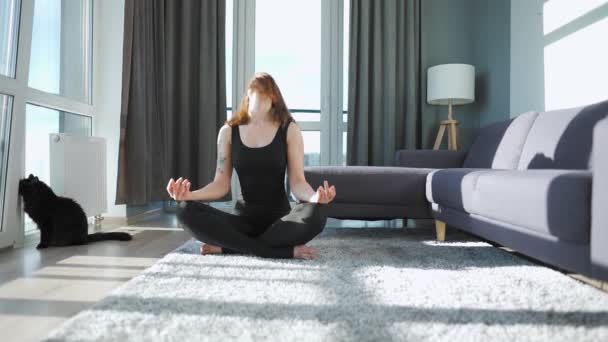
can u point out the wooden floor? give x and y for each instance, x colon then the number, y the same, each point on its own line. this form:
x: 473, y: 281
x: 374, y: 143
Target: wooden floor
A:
x: 39, y: 290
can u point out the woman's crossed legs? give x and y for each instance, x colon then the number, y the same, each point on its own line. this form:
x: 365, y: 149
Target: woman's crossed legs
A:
x: 234, y: 234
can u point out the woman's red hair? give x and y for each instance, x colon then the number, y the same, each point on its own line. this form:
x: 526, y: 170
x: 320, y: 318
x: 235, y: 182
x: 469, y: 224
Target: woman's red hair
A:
x: 264, y: 84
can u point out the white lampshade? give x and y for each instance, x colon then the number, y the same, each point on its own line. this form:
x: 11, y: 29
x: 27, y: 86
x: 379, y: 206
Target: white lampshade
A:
x: 450, y: 82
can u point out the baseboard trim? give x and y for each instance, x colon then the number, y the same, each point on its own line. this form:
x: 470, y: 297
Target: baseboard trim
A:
x: 143, y: 216
x: 115, y: 220
x: 125, y: 221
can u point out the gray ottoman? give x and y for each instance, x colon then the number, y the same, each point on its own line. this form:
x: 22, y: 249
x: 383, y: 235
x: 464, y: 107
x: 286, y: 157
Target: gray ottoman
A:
x: 373, y: 192
x: 383, y: 192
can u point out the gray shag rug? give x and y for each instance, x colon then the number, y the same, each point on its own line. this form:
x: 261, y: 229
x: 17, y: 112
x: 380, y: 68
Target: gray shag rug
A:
x: 364, y: 285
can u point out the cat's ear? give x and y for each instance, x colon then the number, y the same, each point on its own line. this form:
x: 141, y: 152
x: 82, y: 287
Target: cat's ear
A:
x: 31, y: 176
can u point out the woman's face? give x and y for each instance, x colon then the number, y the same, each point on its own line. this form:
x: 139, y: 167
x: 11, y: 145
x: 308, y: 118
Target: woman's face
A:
x: 258, y: 103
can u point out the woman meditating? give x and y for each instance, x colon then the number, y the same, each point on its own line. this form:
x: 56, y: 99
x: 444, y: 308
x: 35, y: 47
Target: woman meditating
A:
x: 260, y: 141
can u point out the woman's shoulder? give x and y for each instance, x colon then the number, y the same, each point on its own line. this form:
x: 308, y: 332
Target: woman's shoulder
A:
x: 225, y: 133
x: 226, y: 128
x: 291, y: 129
x: 288, y: 122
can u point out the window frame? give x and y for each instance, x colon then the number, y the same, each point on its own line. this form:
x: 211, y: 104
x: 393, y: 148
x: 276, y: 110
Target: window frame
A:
x: 12, y: 233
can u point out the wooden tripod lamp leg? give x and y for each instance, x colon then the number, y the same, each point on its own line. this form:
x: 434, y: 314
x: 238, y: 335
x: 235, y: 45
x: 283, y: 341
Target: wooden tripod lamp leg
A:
x: 450, y: 137
x: 439, y: 137
x: 440, y: 230
x: 453, y: 142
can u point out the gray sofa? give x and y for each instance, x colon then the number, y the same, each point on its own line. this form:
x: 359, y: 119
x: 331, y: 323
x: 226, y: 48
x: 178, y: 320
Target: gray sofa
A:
x: 537, y: 183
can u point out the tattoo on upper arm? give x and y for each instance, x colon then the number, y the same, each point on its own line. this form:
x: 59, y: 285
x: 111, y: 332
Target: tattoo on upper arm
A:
x: 220, y: 162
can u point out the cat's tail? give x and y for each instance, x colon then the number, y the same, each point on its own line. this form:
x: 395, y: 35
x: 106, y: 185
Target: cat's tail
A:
x: 121, y: 236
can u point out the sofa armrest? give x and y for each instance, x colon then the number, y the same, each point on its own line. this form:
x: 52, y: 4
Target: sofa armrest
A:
x: 599, y: 200
x: 432, y: 159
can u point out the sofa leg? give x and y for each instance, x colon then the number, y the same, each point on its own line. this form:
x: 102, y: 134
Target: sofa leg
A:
x: 440, y: 230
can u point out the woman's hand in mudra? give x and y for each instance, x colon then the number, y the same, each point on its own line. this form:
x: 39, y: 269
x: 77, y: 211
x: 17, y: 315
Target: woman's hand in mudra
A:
x: 179, y: 190
x: 324, y: 194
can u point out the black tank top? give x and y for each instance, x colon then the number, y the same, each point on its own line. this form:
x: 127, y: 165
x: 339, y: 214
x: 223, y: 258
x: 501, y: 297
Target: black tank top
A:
x: 261, y: 172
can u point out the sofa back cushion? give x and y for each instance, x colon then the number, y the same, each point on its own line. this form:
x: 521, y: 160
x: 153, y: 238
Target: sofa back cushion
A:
x: 499, y: 145
x: 562, y: 139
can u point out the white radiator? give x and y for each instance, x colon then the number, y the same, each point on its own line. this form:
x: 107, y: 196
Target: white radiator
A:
x: 78, y: 170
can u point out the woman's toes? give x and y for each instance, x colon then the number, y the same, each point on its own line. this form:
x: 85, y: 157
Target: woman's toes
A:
x: 210, y: 249
x: 309, y: 254
x: 304, y: 252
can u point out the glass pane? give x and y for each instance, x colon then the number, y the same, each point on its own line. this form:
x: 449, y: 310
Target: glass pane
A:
x: 315, y: 117
x: 288, y: 46
x: 39, y: 123
x: 312, y: 148
x: 229, y: 36
x: 9, y: 26
x: 6, y: 109
x: 60, y: 60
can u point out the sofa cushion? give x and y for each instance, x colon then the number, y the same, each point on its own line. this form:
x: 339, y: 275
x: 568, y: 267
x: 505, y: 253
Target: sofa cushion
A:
x: 388, y: 185
x: 562, y: 139
x: 452, y: 187
x: 553, y: 202
x: 499, y: 145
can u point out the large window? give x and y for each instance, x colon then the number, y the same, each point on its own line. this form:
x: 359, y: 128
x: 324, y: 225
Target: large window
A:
x: 298, y: 42
x: 60, y: 59
x: 45, y: 87
x: 288, y: 46
x: 295, y: 41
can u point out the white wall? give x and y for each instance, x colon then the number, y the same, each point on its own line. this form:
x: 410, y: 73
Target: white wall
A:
x: 527, y: 71
x: 108, y: 24
x: 576, y: 51
x: 447, y: 37
x: 558, y: 54
x: 491, y: 58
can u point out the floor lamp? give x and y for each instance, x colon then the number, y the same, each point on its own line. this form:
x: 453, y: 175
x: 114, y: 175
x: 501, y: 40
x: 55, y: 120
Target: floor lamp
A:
x: 451, y: 85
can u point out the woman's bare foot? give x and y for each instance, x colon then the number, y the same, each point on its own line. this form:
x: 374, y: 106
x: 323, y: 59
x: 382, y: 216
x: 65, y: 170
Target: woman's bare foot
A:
x: 210, y: 249
x: 303, y: 252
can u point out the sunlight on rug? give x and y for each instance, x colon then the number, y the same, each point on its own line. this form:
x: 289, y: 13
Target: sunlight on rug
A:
x: 365, y: 285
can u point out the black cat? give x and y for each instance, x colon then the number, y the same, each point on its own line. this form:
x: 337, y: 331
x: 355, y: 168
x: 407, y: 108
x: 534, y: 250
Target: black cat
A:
x: 61, y: 220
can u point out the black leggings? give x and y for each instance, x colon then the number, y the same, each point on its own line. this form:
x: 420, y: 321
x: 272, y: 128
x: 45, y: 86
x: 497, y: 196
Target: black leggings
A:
x: 265, y: 236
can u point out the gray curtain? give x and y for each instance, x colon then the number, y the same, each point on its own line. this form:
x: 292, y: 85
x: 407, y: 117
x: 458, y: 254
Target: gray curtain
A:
x: 384, y: 80
x: 173, y: 96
